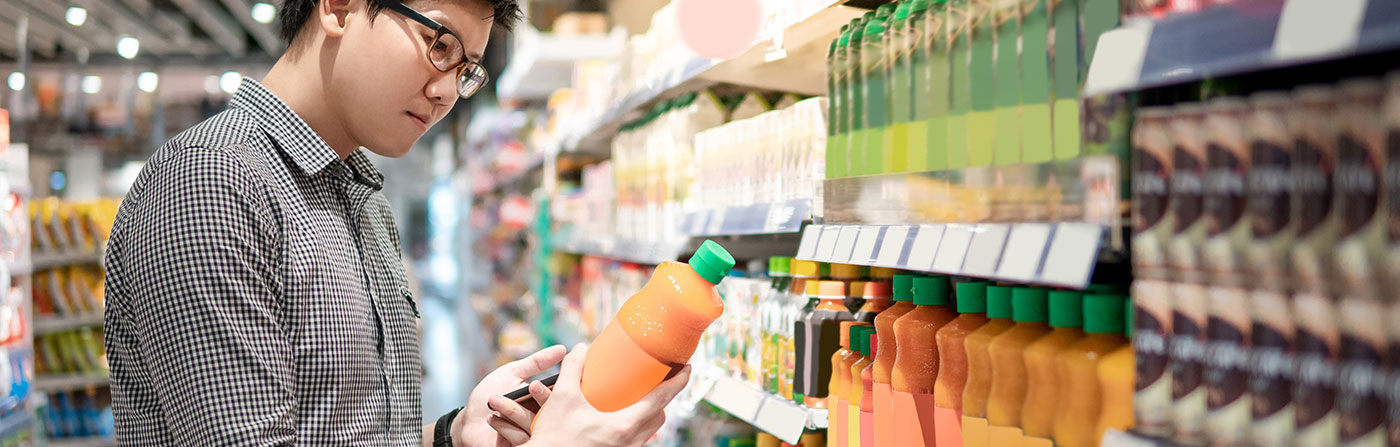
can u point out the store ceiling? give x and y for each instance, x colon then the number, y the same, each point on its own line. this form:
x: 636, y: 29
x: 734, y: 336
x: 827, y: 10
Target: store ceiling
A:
x: 224, y: 29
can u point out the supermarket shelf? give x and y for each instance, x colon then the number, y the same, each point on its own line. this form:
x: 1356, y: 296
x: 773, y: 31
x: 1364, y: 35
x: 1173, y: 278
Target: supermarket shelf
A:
x: 1054, y: 254
x: 777, y: 416
x: 544, y: 62
x: 14, y: 422
x: 1240, y: 37
x: 45, y: 383
x: 619, y: 249
x: 41, y: 261
x: 91, y: 441
x: 806, y: 30
x: 44, y: 324
x: 768, y: 218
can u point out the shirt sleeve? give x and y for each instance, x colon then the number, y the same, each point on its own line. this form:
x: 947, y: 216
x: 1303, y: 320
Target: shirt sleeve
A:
x: 203, y: 305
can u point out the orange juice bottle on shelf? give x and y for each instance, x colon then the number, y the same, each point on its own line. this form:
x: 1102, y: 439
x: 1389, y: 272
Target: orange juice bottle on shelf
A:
x: 867, y: 398
x: 1076, y: 421
x: 971, y: 428
x: 840, y: 379
x: 655, y: 332
x: 1042, y: 374
x: 860, y: 338
x: 884, y: 362
x: 1029, y: 308
x: 916, y: 366
x: 952, y: 367
x: 848, y: 274
x: 1117, y: 382
x: 878, y: 297
x: 824, y: 337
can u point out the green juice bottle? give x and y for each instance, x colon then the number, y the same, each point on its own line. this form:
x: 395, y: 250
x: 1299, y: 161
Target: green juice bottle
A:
x: 872, y: 61
x: 855, y: 94
x: 918, y: 36
x: 899, y: 85
x: 982, y: 117
x: 960, y: 76
x: 837, y: 129
x: 1006, y: 19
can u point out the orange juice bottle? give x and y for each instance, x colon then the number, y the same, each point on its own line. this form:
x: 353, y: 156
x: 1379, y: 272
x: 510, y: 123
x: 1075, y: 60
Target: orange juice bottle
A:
x: 884, y: 362
x: 916, y: 362
x: 952, y: 365
x: 860, y: 338
x: 1117, y: 382
x: 1042, y: 374
x: 867, y: 398
x: 848, y: 274
x: 840, y: 379
x: 1029, y: 308
x: 1076, y: 422
x: 972, y: 424
x: 824, y: 337
x: 655, y: 332
x: 878, y: 297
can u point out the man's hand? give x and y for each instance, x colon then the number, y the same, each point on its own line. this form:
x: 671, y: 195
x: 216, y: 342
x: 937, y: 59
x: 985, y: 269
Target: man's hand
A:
x: 503, y: 423
x: 569, y: 420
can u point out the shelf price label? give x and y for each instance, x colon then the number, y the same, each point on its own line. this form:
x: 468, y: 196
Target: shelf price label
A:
x: 926, y: 244
x: 1025, y: 248
x: 864, y: 252
x: 845, y: 243
x: 1072, y: 254
x: 826, y: 246
x: 892, y: 246
x: 807, y: 248
x: 1309, y: 29
x: 953, y: 250
x: 985, y: 249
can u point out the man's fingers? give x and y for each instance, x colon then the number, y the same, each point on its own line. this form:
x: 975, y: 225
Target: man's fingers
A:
x: 571, y: 371
x: 539, y: 392
x: 656, y: 400
x: 508, y: 431
x: 512, y: 412
x: 538, y: 362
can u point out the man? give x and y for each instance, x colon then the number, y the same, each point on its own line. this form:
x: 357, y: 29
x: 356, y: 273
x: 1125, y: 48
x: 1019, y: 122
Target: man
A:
x: 255, y: 295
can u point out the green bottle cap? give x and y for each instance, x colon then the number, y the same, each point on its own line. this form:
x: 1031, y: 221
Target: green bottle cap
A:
x: 1028, y: 304
x: 1103, y: 314
x: 876, y: 26
x: 901, y: 12
x: 1129, y: 317
x: 777, y: 266
x: 851, y: 340
x: 863, y: 339
x: 1066, y: 308
x: 931, y: 290
x: 918, y: 5
x: 972, y: 297
x: 711, y: 261
x: 903, y: 288
x: 885, y: 10
x: 998, y: 302
x: 844, y: 40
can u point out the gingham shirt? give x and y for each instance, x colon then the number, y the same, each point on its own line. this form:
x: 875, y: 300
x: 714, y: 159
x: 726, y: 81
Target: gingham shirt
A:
x: 255, y: 293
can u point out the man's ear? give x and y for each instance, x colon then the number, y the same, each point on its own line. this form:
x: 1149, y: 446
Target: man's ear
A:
x: 333, y: 15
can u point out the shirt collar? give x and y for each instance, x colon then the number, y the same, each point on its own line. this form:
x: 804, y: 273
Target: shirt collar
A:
x: 295, y: 138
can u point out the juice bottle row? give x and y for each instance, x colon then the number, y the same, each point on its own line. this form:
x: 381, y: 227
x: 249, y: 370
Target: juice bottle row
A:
x: 1265, y: 254
x: 900, y: 359
x: 931, y: 85
x: 71, y: 352
x: 79, y: 414
x: 64, y: 291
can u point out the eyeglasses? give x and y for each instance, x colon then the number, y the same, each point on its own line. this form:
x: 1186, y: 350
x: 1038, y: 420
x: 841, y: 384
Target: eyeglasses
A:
x: 446, y: 52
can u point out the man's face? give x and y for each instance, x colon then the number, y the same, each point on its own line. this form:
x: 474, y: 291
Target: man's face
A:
x: 386, y: 90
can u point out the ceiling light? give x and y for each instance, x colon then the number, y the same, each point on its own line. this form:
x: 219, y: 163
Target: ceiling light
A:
x: 76, y: 16
x: 16, y: 81
x: 211, y: 84
x: 264, y: 13
x: 147, y: 81
x: 92, y: 84
x: 128, y: 47
x: 229, y: 82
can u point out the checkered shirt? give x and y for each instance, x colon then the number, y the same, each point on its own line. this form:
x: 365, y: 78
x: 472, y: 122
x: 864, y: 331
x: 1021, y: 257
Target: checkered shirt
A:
x: 256, y: 295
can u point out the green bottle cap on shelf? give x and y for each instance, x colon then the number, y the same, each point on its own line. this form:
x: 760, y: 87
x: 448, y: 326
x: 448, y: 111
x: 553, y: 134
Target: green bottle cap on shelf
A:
x: 1028, y: 304
x: 851, y: 340
x: 1129, y: 317
x: 711, y: 261
x: 1103, y: 314
x: 862, y: 339
x: 931, y: 290
x: 845, y: 39
x: 1066, y: 308
x: 876, y: 26
x: 776, y: 266
x: 901, y: 12
x: 998, y: 302
x: 903, y: 288
x: 972, y: 297
x: 918, y: 5
x: 885, y: 10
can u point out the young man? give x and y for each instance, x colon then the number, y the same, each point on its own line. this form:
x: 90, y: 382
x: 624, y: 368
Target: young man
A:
x: 255, y: 295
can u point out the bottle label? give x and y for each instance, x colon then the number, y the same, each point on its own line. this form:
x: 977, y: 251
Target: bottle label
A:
x: 1151, y: 331
x: 884, y: 414
x: 853, y: 425
x: 913, y: 421
x: 974, y: 432
x: 867, y: 429
x: 1314, y: 382
x: 1226, y: 373
x: 1358, y: 184
x: 836, y: 428
x: 1033, y: 441
x: 1186, y: 188
x: 1271, y: 369
x: 1361, y: 378
x: 1187, y: 355
x: 1001, y: 435
x: 1151, y: 195
x: 948, y: 422
x: 1224, y: 189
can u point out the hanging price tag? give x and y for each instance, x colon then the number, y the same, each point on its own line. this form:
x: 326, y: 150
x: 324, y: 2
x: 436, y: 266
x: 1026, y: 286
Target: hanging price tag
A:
x: 953, y: 250
x: 925, y: 246
x: 892, y: 246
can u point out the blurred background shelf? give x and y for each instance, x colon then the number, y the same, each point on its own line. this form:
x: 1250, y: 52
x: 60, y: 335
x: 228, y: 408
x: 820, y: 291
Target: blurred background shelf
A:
x: 44, y: 324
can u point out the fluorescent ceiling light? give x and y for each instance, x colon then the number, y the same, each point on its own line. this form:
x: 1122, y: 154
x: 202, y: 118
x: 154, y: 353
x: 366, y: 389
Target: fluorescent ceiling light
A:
x: 16, y: 81
x: 147, y: 81
x: 128, y: 47
x: 229, y: 82
x: 76, y: 16
x: 92, y: 84
x: 263, y: 12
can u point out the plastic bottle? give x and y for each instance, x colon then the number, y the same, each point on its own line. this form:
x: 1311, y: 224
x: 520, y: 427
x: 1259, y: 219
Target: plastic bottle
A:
x: 916, y: 34
x: 840, y: 379
x: 916, y: 362
x: 1076, y: 423
x: 877, y: 299
x: 884, y: 365
x: 867, y: 401
x: 1043, y: 382
x: 1008, y: 353
x: 770, y: 315
x: 860, y: 338
x: 855, y: 94
x: 849, y: 274
x: 824, y: 329
x: 805, y: 336
x: 947, y: 397
x: 972, y: 420
x: 876, y: 97
x: 837, y: 130
x: 656, y: 330
x: 896, y: 156
x: 802, y: 272
x: 1116, y: 382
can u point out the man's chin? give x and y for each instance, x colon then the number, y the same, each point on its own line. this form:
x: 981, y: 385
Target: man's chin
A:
x: 392, y: 150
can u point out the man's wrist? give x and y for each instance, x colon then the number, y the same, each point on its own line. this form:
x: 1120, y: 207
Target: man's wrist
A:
x: 442, y: 431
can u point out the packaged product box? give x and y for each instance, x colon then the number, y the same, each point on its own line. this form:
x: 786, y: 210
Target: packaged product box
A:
x: 1228, y: 310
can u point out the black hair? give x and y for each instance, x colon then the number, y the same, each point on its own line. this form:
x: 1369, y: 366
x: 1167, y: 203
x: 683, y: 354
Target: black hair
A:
x: 295, y: 13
